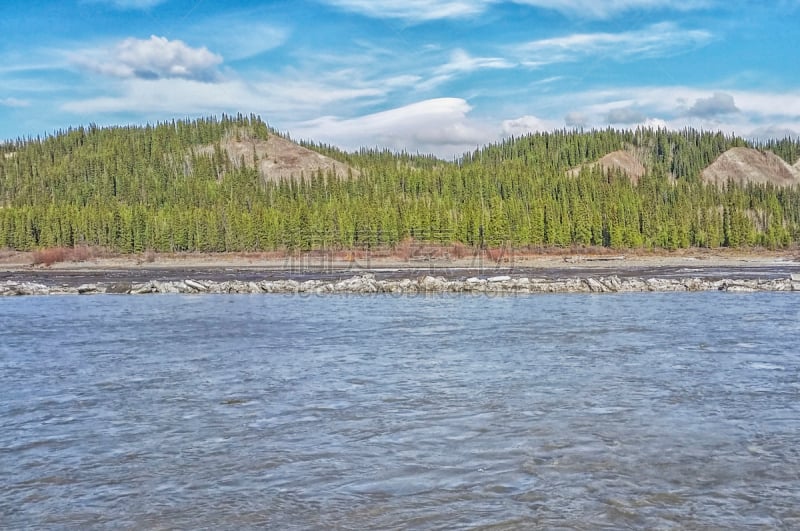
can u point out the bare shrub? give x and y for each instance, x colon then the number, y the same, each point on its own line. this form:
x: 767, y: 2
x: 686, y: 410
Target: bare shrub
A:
x: 80, y: 253
x: 405, y: 249
x: 50, y: 256
x: 458, y: 250
x: 495, y: 253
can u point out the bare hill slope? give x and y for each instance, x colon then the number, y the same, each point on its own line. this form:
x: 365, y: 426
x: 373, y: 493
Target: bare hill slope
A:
x: 278, y: 158
x: 745, y: 165
x: 620, y: 160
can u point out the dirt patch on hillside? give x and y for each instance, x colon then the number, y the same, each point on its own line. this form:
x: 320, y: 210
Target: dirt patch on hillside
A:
x: 278, y: 158
x: 746, y: 165
x: 622, y: 161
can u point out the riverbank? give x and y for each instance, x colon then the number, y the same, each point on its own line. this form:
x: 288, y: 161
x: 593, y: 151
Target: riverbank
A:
x: 368, y: 283
x: 422, y: 258
x: 554, y: 271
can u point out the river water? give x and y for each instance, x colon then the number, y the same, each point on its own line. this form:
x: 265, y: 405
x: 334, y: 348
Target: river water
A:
x: 668, y: 411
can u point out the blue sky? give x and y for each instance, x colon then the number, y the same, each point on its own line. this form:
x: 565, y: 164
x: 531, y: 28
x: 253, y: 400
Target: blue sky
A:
x: 435, y: 76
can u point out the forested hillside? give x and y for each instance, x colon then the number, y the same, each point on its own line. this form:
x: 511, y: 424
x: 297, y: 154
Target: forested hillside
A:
x: 162, y: 188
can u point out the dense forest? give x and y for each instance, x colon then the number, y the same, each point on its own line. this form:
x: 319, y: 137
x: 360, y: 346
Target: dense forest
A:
x: 137, y: 188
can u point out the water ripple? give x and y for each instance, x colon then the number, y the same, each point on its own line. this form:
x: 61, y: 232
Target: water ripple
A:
x: 666, y: 411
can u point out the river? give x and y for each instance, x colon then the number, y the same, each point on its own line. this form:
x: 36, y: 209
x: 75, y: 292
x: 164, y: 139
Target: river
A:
x: 651, y: 410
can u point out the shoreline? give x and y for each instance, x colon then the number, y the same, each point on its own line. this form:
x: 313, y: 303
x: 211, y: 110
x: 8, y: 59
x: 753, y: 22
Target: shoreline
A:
x: 368, y: 284
x: 565, y: 272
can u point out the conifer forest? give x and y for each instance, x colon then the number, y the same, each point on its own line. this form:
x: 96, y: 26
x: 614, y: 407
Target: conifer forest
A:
x: 154, y: 187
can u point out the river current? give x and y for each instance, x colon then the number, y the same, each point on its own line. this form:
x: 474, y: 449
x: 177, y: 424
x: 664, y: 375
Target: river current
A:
x: 659, y: 411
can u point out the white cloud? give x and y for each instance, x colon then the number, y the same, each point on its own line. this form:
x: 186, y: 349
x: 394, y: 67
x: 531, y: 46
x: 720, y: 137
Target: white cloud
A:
x: 440, y: 126
x: 653, y: 41
x: 768, y: 103
x: 14, y: 102
x: 761, y: 114
x: 718, y: 104
x: 153, y: 58
x: 673, y: 100
x: 527, y: 124
x: 576, y: 119
x: 625, y: 115
x: 774, y: 132
x: 655, y: 123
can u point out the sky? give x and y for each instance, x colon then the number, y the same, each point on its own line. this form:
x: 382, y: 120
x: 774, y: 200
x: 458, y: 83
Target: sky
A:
x: 426, y: 76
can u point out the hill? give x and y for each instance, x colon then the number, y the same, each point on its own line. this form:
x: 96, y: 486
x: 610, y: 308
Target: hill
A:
x: 620, y: 160
x: 746, y: 165
x: 276, y: 158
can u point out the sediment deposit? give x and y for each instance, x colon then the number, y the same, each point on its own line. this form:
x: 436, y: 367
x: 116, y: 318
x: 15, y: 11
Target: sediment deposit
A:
x: 367, y: 283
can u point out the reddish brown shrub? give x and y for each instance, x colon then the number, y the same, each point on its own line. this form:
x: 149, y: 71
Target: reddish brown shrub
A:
x: 495, y: 253
x: 404, y: 250
x: 81, y: 253
x: 50, y: 256
x: 458, y: 250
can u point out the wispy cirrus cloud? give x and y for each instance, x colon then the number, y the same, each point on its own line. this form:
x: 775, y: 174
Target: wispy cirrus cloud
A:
x: 462, y: 62
x: 656, y: 40
x: 286, y: 96
x: 128, y: 4
x: 413, y: 10
x: 153, y: 58
x: 238, y: 35
x: 428, y: 10
x: 14, y: 102
x: 279, y: 98
x: 601, y: 9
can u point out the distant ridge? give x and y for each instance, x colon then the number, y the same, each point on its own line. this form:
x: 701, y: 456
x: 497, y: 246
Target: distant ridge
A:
x: 746, y: 165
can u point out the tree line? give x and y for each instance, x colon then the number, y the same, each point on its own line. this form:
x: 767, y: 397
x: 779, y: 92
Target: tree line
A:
x: 171, y: 187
